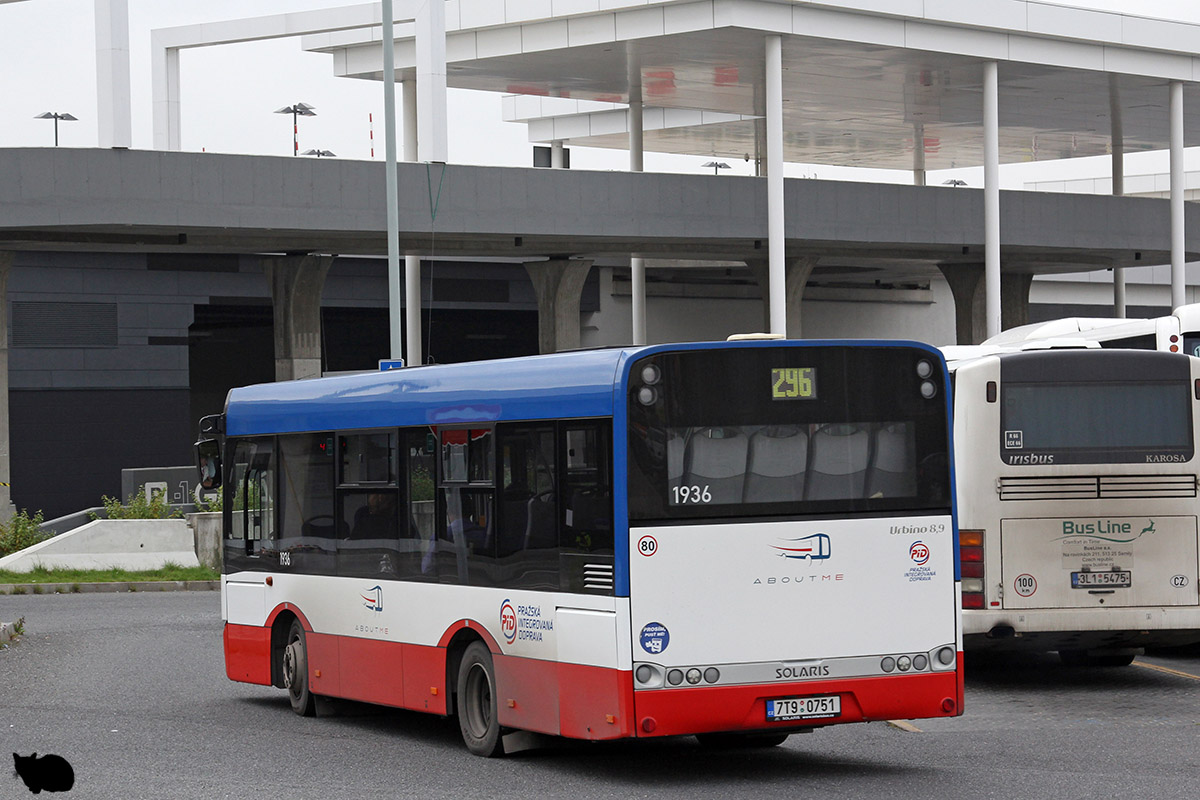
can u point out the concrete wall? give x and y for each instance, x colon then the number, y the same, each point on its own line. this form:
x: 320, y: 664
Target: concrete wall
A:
x: 337, y: 205
x: 133, y: 544
x: 681, y: 319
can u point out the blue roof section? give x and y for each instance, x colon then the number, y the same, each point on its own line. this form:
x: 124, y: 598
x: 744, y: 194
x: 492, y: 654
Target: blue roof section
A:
x: 581, y: 383
x: 576, y: 384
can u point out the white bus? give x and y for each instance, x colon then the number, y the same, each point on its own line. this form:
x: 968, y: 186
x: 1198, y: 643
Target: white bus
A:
x: 1077, y: 482
x: 733, y: 540
x: 1178, y: 332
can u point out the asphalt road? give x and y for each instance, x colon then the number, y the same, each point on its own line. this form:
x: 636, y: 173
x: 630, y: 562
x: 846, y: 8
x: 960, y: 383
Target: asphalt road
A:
x: 131, y: 689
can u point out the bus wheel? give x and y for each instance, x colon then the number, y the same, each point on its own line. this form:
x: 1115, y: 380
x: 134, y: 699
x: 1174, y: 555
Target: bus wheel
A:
x: 295, y: 672
x: 725, y: 741
x: 477, y: 702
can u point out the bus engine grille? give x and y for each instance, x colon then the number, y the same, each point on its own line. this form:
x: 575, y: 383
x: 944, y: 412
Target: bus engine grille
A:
x: 1096, y: 487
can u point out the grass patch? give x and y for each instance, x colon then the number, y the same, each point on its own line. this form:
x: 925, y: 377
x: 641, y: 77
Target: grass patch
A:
x: 169, y: 572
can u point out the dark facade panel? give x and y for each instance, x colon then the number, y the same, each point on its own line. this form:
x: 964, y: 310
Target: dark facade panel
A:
x: 69, y: 446
x: 50, y: 324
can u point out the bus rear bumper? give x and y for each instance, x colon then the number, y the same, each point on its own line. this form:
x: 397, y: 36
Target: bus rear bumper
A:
x: 677, y: 712
x: 1080, y: 628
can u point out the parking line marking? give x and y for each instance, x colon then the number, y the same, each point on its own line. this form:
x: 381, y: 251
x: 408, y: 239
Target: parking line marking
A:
x: 1168, y: 670
x: 905, y: 725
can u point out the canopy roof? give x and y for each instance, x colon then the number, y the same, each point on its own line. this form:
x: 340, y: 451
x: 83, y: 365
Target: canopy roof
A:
x: 860, y: 86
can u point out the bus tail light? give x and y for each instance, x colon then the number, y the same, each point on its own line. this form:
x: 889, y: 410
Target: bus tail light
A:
x: 970, y: 556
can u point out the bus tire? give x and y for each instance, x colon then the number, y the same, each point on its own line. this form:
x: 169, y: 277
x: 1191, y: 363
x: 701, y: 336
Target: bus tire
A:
x: 295, y: 672
x: 477, y: 718
x: 726, y: 741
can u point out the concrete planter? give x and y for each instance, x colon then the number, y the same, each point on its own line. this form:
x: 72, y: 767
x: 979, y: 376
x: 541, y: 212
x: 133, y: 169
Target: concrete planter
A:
x: 207, y: 535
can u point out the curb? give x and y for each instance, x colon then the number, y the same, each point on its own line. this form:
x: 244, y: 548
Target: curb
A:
x: 115, y: 586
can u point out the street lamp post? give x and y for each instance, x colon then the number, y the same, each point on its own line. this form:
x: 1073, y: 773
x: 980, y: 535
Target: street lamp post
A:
x: 319, y: 153
x: 54, y: 115
x: 298, y: 110
x: 717, y: 165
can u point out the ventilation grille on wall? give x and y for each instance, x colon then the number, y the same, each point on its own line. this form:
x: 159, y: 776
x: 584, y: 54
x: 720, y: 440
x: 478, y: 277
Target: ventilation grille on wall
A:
x: 63, y: 324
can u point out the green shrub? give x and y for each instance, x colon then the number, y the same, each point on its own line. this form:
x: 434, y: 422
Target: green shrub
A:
x: 422, y: 484
x: 214, y: 502
x: 21, y: 531
x: 138, y: 507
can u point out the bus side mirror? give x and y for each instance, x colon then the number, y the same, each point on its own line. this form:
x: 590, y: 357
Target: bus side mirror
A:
x: 208, y: 460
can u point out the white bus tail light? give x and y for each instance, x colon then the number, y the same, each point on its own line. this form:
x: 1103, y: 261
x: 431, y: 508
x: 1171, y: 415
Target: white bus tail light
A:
x: 970, y: 554
x: 1174, y: 343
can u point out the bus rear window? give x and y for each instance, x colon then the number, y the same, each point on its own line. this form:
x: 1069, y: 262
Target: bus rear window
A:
x: 775, y: 431
x: 1095, y: 422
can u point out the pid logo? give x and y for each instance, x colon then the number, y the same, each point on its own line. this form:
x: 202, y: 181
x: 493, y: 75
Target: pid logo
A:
x: 508, y: 622
x: 919, y: 553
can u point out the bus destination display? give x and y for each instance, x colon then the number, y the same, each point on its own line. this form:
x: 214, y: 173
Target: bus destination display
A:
x: 793, y: 383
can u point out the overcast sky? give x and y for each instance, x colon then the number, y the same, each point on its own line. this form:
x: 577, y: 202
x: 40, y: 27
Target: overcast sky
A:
x: 47, y: 63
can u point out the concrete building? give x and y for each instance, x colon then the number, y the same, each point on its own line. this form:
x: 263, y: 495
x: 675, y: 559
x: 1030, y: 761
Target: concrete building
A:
x: 141, y: 285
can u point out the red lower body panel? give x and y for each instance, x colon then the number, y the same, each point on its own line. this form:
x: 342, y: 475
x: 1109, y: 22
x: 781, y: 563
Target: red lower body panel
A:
x: 672, y: 712
x: 248, y: 654
x: 564, y: 699
x: 543, y: 696
x: 580, y: 701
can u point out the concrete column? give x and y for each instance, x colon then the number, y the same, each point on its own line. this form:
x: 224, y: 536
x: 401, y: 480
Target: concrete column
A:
x: 775, y: 212
x: 637, y: 265
x: 1178, y: 286
x: 556, y: 154
x: 112, y: 73
x: 966, y: 284
x: 1014, y: 298
x: 431, y: 81
x: 1117, y: 138
x: 164, y: 80
x: 6, y: 507
x: 797, y: 272
x: 412, y: 263
x: 991, y: 194
x: 970, y: 306
x: 918, y: 154
x: 296, y: 284
x: 558, y: 285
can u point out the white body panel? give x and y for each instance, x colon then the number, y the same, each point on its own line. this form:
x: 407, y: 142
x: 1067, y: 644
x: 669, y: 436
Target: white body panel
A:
x: 549, y: 626
x: 727, y: 593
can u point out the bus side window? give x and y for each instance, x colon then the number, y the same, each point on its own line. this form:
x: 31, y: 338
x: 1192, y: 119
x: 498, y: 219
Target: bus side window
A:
x: 587, y: 488
x: 306, y: 521
x: 370, y: 523
x: 467, y: 528
x: 422, y: 496
x: 249, y: 505
x: 527, y: 537
x: 1191, y: 344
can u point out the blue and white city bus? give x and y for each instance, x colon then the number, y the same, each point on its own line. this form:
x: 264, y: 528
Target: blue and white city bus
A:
x: 736, y: 540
